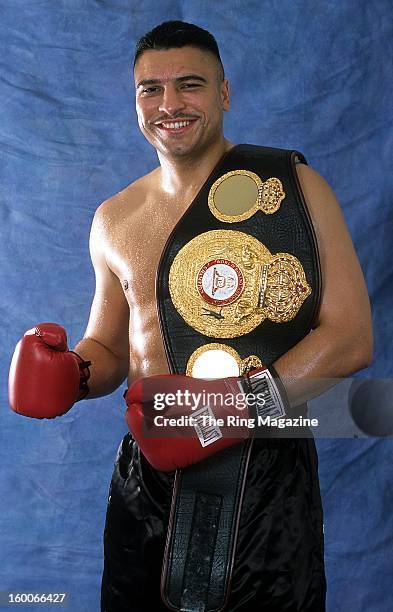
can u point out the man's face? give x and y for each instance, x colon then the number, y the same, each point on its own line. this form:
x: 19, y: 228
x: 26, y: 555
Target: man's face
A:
x: 180, y: 99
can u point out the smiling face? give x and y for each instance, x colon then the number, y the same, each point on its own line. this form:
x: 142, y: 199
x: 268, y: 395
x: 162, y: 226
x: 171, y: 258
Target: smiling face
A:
x: 180, y: 100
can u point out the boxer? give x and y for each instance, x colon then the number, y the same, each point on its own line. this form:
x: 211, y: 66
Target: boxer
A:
x: 181, y: 95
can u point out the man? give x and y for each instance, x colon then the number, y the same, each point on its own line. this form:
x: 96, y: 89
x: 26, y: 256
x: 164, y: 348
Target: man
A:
x: 181, y: 94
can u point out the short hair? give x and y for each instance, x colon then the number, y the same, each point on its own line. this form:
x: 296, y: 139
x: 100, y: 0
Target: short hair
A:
x: 177, y: 34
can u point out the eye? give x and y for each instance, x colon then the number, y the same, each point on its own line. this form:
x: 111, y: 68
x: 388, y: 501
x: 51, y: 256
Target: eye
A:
x: 190, y: 85
x: 150, y: 90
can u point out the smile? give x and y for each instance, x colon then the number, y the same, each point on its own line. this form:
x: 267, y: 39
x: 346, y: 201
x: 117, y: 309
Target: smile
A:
x: 175, y: 125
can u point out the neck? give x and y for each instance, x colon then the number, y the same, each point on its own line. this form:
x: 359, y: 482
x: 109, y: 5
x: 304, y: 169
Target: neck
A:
x: 184, y: 174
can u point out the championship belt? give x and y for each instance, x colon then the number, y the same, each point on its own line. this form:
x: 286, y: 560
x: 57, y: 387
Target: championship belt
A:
x: 237, y: 286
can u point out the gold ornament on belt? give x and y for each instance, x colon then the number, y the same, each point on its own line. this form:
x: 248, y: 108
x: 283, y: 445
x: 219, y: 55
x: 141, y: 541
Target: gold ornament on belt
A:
x: 224, y: 283
x: 215, y: 360
x: 239, y: 194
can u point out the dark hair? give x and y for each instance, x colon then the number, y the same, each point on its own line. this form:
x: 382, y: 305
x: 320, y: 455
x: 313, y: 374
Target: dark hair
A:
x: 177, y: 34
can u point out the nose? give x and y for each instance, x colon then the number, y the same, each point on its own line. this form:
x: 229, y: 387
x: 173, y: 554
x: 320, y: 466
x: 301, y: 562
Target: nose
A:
x: 172, y: 101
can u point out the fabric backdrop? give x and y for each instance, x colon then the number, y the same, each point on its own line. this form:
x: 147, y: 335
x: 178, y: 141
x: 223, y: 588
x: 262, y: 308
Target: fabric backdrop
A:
x: 307, y: 74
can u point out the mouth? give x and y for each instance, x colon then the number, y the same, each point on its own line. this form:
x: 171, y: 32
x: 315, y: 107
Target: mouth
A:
x: 176, y: 127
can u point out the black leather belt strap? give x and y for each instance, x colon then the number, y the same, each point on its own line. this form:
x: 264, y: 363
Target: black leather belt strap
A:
x: 202, y: 534
x: 207, y: 497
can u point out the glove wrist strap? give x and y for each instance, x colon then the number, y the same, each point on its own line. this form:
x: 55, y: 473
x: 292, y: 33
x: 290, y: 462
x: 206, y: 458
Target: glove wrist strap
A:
x: 84, y: 376
x: 268, y: 394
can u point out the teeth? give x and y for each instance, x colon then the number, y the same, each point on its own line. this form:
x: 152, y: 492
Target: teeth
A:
x: 176, y: 125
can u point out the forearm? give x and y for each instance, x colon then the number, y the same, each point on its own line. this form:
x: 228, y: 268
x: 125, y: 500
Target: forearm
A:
x: 320, y: 360
x: 107, y: 371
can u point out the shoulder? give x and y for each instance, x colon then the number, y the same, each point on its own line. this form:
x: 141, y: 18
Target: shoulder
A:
x: 319, y: 196
x: 127, y: 201
x: 118, y: 212
x: 132, y: 196
x: 312, y: 180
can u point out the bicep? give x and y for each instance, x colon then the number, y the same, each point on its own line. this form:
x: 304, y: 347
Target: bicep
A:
x: 345, y: 303
x: 109, y: 315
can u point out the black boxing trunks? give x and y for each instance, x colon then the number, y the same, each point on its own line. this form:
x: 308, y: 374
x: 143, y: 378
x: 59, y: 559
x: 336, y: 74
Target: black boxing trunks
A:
x: 238, y: 275
x: 279, y: 563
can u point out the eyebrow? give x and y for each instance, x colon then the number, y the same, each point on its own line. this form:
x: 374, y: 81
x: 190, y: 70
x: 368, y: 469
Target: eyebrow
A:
x: 180, y: 79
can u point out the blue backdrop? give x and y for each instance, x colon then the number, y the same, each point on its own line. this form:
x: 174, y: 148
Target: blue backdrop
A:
x: 307, y: 74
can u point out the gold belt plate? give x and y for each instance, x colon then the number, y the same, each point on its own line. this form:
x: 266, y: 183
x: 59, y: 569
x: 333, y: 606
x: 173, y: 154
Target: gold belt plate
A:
x: 224, y: 283
x: 239, y: 194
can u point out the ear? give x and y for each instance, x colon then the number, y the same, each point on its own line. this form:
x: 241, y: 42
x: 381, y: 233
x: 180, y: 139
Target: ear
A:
x: 225, y: 94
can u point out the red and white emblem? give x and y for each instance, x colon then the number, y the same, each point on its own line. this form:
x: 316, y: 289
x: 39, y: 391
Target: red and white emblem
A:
x: 220, y: 282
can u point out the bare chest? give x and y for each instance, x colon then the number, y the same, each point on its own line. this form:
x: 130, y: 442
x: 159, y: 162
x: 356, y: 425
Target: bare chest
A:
x: 134, y: 254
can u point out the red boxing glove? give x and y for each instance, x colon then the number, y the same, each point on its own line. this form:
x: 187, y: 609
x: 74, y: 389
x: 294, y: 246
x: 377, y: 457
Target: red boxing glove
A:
x: 178, y: 420
x: 45, y: 378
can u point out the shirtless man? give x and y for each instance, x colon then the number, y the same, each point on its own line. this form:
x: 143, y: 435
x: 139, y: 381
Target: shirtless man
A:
x: 181, y: 95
